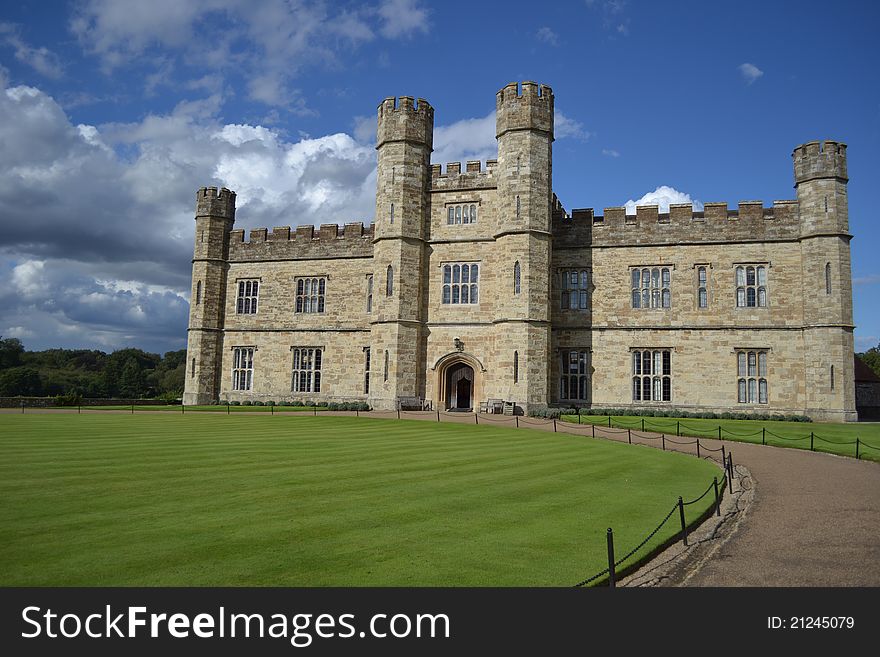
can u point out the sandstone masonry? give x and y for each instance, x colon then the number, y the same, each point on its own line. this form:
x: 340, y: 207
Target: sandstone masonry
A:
x: 477, y: 284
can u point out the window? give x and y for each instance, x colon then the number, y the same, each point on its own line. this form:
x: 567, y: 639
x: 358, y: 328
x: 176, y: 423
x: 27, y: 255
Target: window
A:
x: 574, y: 382
x: 389, y: 281
x: 247, y: 297
x: 517, y: 276
x: 651, y: 287
x: 517, y: 206
x: 827, y: 278
x: 306, y: 369
x: 370, y: 293
x: 385, y: 374
x: 310, y: 295
x: 702, y: 288
x: 652, y: 375
x: 392, y: 213
x: 516, y: 367
x: 461, y: 283
x: 575, y: 288
x: 751, y: 373
x: 198, y: 293
x: 832, y: 377
x: 461, y: 214
x: 242, y: 368
x: 192, y: 368
x: 751, y: 286
x: 366, y: 370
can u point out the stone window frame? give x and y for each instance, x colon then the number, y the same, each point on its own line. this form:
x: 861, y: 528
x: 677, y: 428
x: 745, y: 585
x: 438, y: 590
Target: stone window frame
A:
x: 517, y: 277
x: 752, y: 379
x: 581, y: 290
x: 307, y: 300
x: 760, y: 290
x: 516, y: 367
x: 367, y: 363
x: 369, y: 293
x: 651, y: 374
x: 583, y: 362
x: 243, y: 367
x: 828, y: 286
x: 462, y: 213
x: 702, y: 284
x: 247, y: 294
x: 449, y: 287
x: 306, y: 368
x: 657, y: 293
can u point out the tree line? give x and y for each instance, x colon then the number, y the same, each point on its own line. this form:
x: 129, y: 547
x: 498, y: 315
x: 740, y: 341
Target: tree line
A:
x: 871, y: 358
x: 123, y: 374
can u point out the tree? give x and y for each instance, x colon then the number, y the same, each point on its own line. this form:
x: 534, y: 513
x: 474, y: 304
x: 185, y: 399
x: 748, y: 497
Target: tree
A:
x: 22, y: 381
x: 11, y: 350
x: 871, y: 358
x: 131, y: 380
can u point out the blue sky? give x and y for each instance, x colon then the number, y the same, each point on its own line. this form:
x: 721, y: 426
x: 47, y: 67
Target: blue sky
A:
x: 113, y: 112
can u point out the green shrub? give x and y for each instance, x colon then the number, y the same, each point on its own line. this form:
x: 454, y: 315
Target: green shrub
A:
x: 234, y: 403
x: 247, y: 402
x: 271, y: 402
x: 258, y: 403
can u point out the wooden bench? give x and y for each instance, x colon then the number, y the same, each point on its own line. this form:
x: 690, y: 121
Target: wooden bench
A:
x: 493, y: 406
x: 413, y: 404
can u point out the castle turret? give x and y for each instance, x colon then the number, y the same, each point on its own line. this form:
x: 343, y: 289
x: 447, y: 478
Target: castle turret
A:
x: 524, y: 130
x: 215, y: 215
x: 404, y: 144
x: 820, y: 174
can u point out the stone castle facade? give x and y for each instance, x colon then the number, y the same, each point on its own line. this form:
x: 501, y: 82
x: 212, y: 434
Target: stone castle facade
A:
x: 476, y: 284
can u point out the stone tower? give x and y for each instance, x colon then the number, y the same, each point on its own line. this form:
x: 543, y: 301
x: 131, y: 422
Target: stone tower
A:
x: 215, y: 214
x: 820, y: 180
x: 524, y: 130
x: 404, y: 143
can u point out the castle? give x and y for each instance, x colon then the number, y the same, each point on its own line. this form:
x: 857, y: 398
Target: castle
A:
x: 476, y: 284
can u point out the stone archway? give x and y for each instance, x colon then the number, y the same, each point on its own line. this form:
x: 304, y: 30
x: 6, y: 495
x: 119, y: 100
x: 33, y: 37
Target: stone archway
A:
x: 459, y: 381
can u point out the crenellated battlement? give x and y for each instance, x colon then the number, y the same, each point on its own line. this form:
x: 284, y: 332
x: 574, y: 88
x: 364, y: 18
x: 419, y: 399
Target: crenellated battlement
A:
x: 211, y: 202
x: 473, y: 177
x: 525, y: 107
x: 405, y: 119
x: 351, y: 240
x: 819, y: 159
x: 749, y: 222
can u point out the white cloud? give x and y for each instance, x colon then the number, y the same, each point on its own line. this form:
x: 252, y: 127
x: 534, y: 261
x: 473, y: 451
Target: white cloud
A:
x: 663, y: 196
x: 869, y: 279
x: 610, y: 152
x: 749, y: 72
x: 267, y: 41
x: 468, y: 139
x: 567, y: 127
x: 42, y: 60
x: 547, y: 35
x: 401, y: 18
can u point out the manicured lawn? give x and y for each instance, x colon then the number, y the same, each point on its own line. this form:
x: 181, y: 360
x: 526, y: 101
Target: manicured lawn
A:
x: 217, y: 408
x: 827, y: 437
x: 207, y: 499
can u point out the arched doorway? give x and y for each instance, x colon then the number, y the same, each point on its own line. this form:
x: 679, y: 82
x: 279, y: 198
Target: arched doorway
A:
x: 460, y: 387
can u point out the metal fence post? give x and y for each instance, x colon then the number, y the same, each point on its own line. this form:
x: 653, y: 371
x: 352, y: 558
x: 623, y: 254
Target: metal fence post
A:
x: 684, y: 535
x: 723, y: 458
x: 132, y: 409
x: 663, y: 440
x: 554, y: 425
x: 593, y: 429
x: 272, y: 409
x: 763, y: 435
x: 22, y: 407
x: 611, y: 574
x: 476, y: 418
x: 79, y: 408
x: 609, y: 421
x: 516, y: 417
x: 811, y: 442
x: 398, y: 413
x: 227, y: 408
x: 857, y: 448
x: 678, y: 427
x: 629, y: 437
x: 698, y: 448
x: 717, y: 499
x: 579, y: 417
x: 730, y: 472
x: 643, y: 424
x: 719, y: 433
